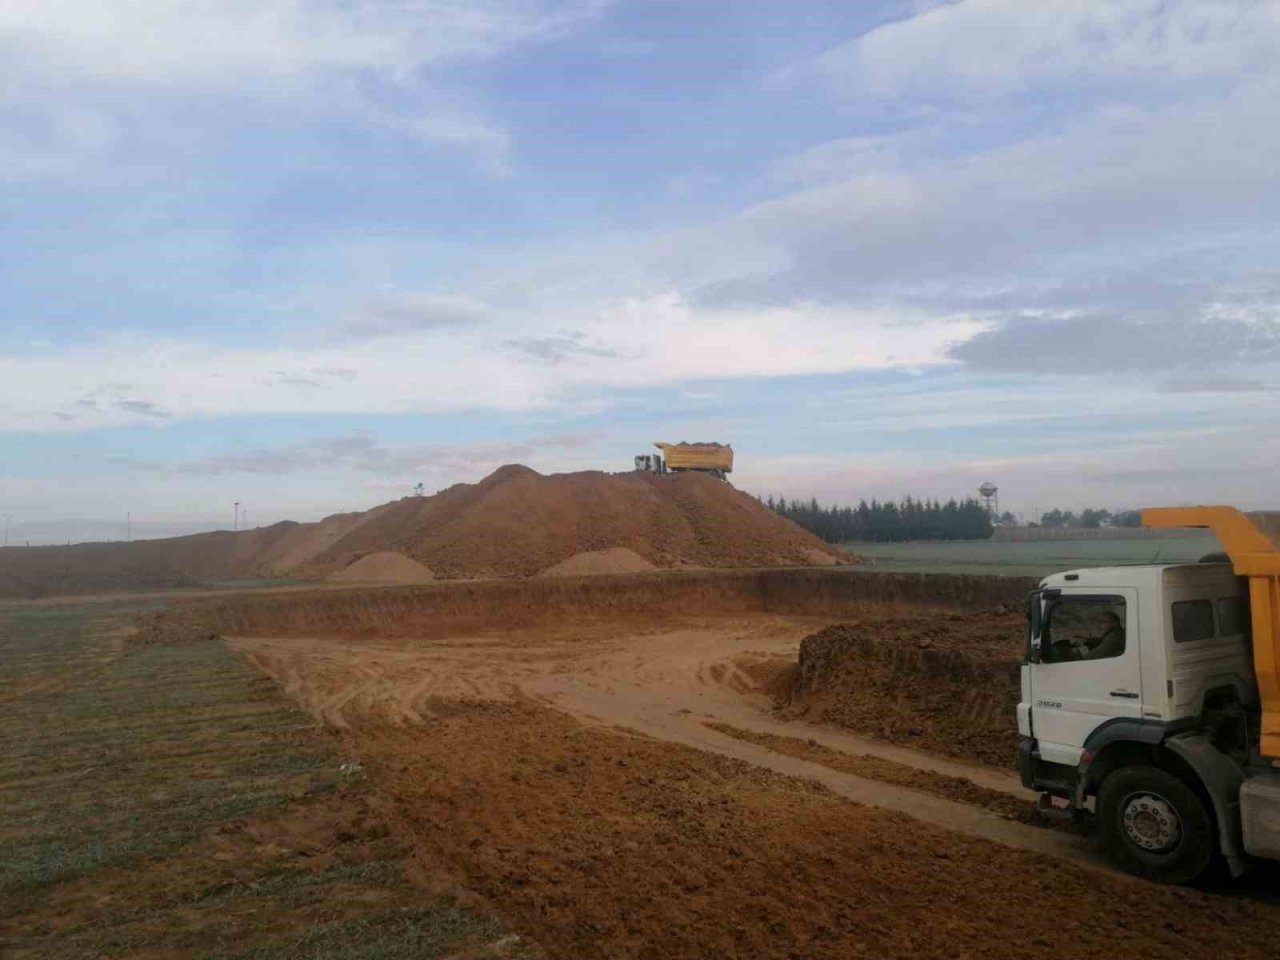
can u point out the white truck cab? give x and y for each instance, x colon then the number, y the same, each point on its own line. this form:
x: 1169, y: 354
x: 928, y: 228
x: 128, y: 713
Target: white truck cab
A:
x: 1139, y: 693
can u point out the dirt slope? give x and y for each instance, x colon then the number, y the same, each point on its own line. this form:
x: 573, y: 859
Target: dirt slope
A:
x: 514, y: 523
x: 943, y: 682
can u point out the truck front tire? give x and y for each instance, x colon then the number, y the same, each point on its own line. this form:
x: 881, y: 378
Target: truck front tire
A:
x: 1155, y: 824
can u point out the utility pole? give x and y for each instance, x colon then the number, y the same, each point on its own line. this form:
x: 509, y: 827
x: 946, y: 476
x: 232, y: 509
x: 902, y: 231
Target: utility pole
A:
x: 237, y: 520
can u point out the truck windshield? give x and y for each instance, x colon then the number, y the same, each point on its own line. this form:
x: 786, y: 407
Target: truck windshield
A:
x: 1083, y: 628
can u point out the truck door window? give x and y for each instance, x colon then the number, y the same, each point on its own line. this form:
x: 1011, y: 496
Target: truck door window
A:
x: 1192, y: 620
x: 1233, y: 617
x: 1083, y: 628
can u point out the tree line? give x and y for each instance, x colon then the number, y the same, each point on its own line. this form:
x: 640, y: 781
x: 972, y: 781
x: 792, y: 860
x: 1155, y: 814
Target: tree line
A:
x: 1090, y: 518
x: 890, y: 521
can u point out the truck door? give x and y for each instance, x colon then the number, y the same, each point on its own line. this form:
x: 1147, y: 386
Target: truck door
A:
x: 1086, y: 668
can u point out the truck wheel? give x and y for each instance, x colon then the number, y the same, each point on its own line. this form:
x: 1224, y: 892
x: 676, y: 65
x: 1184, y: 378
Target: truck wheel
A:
x: 1155, y: 824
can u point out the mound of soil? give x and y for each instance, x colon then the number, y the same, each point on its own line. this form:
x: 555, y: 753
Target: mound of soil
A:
x: 514, y: 523
x: 612, y: 560
x: 946, y: 683
x: 517, y: 523
x: 384, y: 567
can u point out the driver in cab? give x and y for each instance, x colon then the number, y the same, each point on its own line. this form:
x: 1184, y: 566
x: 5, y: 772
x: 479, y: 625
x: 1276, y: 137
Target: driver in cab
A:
x: 1109, y: 644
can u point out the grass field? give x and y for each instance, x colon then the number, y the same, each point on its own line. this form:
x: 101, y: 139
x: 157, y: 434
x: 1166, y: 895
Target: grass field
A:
x: 1036, y: 559
x: 164, y: 800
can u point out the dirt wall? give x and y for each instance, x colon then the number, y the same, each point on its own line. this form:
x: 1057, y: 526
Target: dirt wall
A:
x: 946, y: 684
x: 432, y: 610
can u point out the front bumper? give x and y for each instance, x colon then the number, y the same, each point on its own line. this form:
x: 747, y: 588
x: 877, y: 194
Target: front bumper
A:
x: 1042, y: 776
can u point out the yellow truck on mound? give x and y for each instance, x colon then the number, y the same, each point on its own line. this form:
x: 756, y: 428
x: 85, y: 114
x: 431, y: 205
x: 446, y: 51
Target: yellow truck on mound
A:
x: 713, y: 458
x: 1152, y: 693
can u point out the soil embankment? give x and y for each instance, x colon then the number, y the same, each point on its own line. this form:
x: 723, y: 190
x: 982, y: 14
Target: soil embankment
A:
x: 442, y: 608
x: 943, y: 682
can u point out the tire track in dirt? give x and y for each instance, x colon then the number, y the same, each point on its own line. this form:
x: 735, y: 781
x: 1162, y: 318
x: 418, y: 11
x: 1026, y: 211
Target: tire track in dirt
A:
x: 664, y: 683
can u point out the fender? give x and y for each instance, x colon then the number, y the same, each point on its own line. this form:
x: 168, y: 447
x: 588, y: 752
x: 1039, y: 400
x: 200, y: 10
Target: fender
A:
x: 1221, y: 778
x: 1125, y: 729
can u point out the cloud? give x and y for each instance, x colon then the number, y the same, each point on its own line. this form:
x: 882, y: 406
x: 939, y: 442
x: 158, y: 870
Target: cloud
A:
x: 143, y: 407
x: 61, y: 61
x: 1085, y: 345
x: 611, y: 347
x: 1221, y: 384
x: 836, y: 160
x: 365, y: 453
x: 316, y: 377
x: 557, y: 349
x: 168, y: 42
x: 395, y: 316
x: 992, y: 48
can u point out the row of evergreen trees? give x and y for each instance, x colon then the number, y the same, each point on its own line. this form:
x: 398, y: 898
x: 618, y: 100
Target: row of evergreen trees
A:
x: 880, y: 522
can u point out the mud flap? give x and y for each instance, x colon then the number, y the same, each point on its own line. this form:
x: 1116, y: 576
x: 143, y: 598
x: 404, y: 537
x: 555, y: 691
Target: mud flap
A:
x: 1260, y: 815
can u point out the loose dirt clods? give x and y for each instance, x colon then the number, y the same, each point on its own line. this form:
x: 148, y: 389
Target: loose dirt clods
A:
x: 943, y: 682
x: 599, y: 844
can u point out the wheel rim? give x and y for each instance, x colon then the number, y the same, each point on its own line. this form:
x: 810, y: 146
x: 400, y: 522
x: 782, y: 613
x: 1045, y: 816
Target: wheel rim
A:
x: 1150, y: 822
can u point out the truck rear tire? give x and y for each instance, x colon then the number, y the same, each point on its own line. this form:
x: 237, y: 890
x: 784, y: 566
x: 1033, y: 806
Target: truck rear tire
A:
x: 1155, y: 824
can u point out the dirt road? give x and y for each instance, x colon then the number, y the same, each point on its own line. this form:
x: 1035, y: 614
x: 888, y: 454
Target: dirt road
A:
x: 667, y: 683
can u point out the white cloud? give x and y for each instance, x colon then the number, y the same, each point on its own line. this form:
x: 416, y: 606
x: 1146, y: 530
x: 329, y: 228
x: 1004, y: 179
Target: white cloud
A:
x: 1105, y: 190
x: 225, y: 43
x: 640, y: 343
x: 402, y: 314
x: 365, y: 453
x: 986, y: 48
x: 62, y: 60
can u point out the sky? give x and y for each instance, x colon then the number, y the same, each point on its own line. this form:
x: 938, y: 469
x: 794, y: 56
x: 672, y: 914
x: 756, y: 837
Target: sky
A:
x: 304, y: 254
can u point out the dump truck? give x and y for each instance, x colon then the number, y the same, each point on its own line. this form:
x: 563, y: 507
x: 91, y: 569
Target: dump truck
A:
x: 1150, y: 701
x: 714, y: 458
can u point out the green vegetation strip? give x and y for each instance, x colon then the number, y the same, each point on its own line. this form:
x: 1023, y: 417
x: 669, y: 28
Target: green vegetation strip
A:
x: 110, y: 752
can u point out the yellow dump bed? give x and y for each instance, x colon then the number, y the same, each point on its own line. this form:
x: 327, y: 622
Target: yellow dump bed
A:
x: 1256, y: 556
x: 697, y: 456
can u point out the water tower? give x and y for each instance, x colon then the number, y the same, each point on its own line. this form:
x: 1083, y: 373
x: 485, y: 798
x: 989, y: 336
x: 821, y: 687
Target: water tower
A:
x: 988, y: 492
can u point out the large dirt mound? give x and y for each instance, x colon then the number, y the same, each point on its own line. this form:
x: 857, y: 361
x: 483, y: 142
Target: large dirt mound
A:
x: 947, y: 683
x: 517, y: 523
x: 384, y: 567
x: 514, y: 523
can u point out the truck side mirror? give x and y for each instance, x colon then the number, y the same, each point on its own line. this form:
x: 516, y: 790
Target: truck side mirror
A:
x: 1039, y: 602
x: 1033, y: 627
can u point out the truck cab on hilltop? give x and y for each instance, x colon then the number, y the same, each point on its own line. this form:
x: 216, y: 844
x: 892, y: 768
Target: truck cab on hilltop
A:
x: 1141, y: 696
